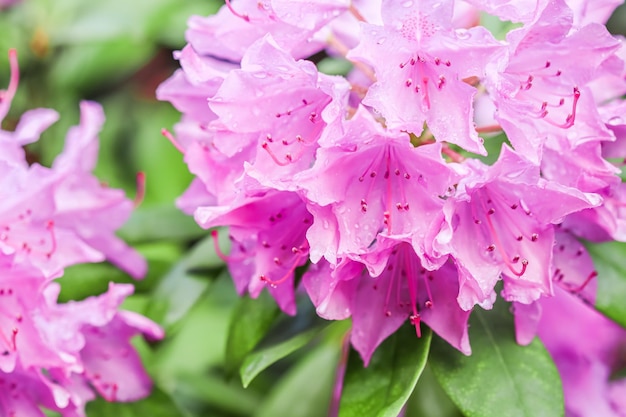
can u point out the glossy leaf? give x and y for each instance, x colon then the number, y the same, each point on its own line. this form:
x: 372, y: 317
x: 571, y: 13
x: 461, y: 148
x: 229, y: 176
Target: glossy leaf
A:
x: 500, y: 378
x: 256, y: 362
x: 158, y: 404
x: 382, y: 389
x: 250, y: 322
x: 160, y: 222
x: 305, y: 391
x: 179, y: 290
x: 608, y: 261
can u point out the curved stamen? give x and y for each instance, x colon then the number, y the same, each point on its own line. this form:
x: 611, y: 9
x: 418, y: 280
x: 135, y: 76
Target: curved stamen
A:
x: 50, y: 228
x: 141, y: 189
x: 299, y: 254
x: 234, y: 12
x: 172, y: 140
x: 6, y: 97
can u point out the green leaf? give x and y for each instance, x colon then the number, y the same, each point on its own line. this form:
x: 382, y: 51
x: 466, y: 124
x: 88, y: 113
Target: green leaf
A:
x: 429, y: 399
x: 608, y: 259
x: 500, y: 378
x: 158, y: 223
x: 305, y: 391
x: 158, y: 404
x: 384, y: 387
x: 218, y: 394
x: 250, y: 322
x: 96, y: 66
x: 334, y: 66
x: 256, y: 362
x: 178, y: 291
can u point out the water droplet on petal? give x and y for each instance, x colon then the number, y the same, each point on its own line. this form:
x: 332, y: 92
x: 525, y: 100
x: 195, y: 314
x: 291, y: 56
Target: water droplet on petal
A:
x: 615, y: 121
x: 463, y: 34
x: 408, y: 3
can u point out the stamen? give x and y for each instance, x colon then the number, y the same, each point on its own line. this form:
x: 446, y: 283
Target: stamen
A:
x: 500, y: 247
x: 582, y: 286
x: 233, y: 11
x: 489, y: 129
x: 218, y: 250
x: 172, y: 140
x: 288, y: 274
x: 141, y: 189
x: 50, y: 228
x: 265, y: 146
x: 356, y: 13
x: 6, y: 97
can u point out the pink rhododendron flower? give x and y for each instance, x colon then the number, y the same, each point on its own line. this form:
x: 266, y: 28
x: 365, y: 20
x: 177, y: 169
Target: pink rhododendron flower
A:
x: 389, y: 180
x: 500, y: 223
x: 585, y: 364
x: 381, y: 302
x: 420, y: 62
x: 539, y: 89
x: 59, y: 216
x: 54, y: 355
x: 369, y: 181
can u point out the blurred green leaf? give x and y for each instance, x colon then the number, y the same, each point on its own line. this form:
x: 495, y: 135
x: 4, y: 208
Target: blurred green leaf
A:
x: 384, y: 387
x: 158, y: 404
x: 334, y: 66
x: 256, y: 362
x: 197, y: 342
x: 305, y: 390
x: 608, y: 259
x: 166, y: 174
x: 181, y: 288
x: 500, y: 378
x: 93, y: 66
x: 251, y: 320
x: 215, y: 392
x: 429, y: 399
x: 160, y: 223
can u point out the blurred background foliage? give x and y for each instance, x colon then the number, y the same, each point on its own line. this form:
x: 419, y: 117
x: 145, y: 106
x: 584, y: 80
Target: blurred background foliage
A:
x: 117, y: 52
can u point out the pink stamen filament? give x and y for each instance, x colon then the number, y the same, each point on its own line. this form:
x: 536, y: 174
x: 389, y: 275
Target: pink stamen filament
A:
x: 489, y: 129
x: 356, y: 13
x: 304, y: 104
x: 6, y: 97
x: 500, y: 248
x: 218, y: 250
x: 141, y: 189
x: 50, y: 228
x: 234, y: 12
x: 288, y: 156
x: 453, y: 155
x: 12, y: 341
x: 415, y: 317
x: 343, y: 50
x: 585, y: 283
x: 289, y: 273
x: 172, y: 140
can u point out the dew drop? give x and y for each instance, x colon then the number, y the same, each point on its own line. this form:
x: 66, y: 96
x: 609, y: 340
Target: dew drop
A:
x: 463, y: 33
x: 615, y: 121
x: 408, y: 3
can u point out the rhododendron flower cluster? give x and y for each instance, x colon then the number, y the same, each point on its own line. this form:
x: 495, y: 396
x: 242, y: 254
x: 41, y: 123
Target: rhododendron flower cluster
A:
x: 376, y: 181
x: 55, y: 355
